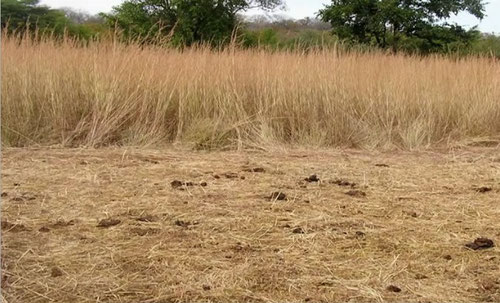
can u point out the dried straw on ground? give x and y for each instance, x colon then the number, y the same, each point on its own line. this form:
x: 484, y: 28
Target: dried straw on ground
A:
x: 228, y: 242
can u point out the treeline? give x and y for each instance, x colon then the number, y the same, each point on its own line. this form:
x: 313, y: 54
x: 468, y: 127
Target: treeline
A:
x: 182, y: 23
x: 27, y: 16
x: 278, y: 32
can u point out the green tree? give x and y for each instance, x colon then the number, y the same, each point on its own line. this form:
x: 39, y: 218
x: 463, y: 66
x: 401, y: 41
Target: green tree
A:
x: 81, y: 17
x: 27, y: 14
x: 488, y: 44
x: 189, y: 21
x: 416, y: 25
x: 85, y: 25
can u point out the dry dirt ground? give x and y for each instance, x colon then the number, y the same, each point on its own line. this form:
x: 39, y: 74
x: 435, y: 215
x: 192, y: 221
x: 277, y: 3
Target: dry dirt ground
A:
x: 110, y: 226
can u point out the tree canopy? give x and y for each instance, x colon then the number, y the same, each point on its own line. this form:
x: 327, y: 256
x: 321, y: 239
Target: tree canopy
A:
x: 407, y: 25
x: 21, y: 14
x: 29, y: 15
x: 402, y: 24
x: 188, y: 21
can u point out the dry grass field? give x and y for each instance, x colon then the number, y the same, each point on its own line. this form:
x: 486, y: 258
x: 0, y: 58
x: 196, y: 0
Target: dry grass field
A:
x: 158, y: 226
x: 57, y: 93
x: 137, y: 174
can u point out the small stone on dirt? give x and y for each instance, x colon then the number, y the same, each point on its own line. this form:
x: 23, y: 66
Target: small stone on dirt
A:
x: 356, y: 193
x: 277, y: 195
x: 44, y: 229
x: 5, y: 280
x: 360, y: 234
x: 182, y: 223
x: 448, y: 257
x: 411, y: 213
x: 56, y: 272
x: 298, y: 230
x: 341, y: 182
x: 180, y: 184
x: 7, y: 226
x: 484, y: 189
x: 312, y: 178
x: 105, y: 223
x: 393, y: 288
x: 176, y: 184
x: 231, y: 175
x: 216, y: 176
x: 480, y: 243
x: 26, y: 196
x: 490, y: 285
x: 421, y: 277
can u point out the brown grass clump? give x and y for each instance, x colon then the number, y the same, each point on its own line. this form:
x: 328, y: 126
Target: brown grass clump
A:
x: 108, y: 226
x: 111, y: 94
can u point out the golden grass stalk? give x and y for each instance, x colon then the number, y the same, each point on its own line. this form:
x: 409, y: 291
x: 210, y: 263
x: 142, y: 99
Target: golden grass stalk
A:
x: 109, y: 93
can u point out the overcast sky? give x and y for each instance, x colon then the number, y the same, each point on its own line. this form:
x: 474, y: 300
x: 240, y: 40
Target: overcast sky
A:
x: 295, y: 8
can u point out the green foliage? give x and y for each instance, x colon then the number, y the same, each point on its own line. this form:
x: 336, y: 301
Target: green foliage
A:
x: 185, y: 21
x: 488, y: 44
x: 410, y: 25
x: 265, y: 37
x: 278, y: 33
x: 134, y: 19
x: 405, y: 25
x: 275, y: 39
x: 27, y: 15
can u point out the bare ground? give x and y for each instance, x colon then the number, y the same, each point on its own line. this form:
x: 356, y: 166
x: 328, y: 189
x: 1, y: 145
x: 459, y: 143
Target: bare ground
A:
x: 110, y: 226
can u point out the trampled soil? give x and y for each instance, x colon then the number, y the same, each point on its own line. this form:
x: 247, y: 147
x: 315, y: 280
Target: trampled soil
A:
x: 111, y: 225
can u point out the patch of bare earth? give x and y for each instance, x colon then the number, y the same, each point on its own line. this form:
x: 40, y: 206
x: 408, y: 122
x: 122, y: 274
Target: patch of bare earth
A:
x: 111, y: 226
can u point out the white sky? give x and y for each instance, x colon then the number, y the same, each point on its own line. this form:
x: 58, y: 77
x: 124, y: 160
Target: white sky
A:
x: 295, y: 8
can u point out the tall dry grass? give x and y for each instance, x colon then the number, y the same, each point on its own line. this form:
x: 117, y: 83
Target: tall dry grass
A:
x: 109, y: 93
